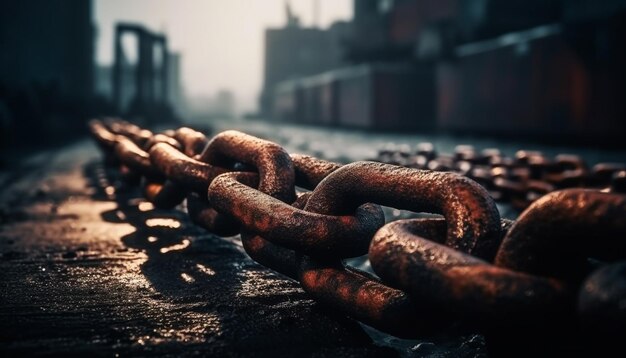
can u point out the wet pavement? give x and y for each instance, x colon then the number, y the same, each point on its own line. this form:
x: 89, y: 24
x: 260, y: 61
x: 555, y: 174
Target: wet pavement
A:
x: 88, y: 267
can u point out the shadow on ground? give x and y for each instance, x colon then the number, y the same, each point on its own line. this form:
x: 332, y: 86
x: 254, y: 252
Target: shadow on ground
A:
x: 251, y: 310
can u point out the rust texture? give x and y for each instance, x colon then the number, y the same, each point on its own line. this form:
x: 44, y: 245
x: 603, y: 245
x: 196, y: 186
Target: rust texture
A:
x: 182, y: 169
x: 473, y: 225
x: 466, y: 268
x: 136, y: 158
x: 552, y: 237
x: 193, y: 141
x: 276, y: 178
x: 276, y: 171
x: 412, y: 255
x: 311, y: 171
x: 518, y: 180
x: 473, y: 220
x: 315, y: 234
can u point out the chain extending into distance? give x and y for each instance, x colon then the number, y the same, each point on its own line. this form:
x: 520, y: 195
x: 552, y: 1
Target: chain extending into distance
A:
x: 562, y: 260
x: 518, y: 180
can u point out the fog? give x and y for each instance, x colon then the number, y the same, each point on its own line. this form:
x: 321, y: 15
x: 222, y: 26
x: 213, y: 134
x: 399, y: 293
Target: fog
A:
x: 221, y: 40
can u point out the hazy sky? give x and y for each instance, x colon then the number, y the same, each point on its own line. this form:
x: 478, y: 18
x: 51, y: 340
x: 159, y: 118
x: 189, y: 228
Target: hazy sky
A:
x: 221, y: 40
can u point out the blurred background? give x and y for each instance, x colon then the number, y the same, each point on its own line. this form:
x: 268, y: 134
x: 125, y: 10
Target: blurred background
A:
x: 548, y: 71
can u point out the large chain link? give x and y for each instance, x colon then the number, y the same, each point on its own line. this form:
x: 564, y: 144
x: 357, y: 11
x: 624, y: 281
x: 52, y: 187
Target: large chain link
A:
x: 558, y: 262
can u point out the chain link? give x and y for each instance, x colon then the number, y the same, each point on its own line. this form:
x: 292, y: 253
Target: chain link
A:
x: 518, y: 180
x: 559, y: 259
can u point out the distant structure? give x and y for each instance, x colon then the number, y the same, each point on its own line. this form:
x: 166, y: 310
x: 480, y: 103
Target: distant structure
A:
x: 224, y: 104
x: 175, y: 91
x: 149, y: 98
x: 103, y: 82
x: 558, y: 74
x: 50, y: 84
x: 534, y: 68
x: 295, y: 51
x: 221, y: 105
x: 47, y: 43
x: 46, y: 67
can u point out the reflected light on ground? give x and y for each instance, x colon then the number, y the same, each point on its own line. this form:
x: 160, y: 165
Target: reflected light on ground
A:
x: 198, y: 326
x: 170, y: 223
x: 187, y: 278
x: 120, y: 215
x: 145, y: 206
x: 183, y: 245
x: 152, y: 239
x: 205, y: 270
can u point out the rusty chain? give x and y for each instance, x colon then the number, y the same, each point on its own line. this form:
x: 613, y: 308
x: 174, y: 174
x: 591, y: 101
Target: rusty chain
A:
x: 518, y: 180
x: 560, y: 261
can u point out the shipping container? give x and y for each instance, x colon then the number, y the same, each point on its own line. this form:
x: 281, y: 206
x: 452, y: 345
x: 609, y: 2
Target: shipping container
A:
x: 286, y: 103
x: 389, y: 97
x: 319, y: 99
x: 531, y: 83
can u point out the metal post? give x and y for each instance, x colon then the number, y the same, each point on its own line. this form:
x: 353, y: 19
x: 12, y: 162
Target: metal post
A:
x: 316, y: 13
x: 117, y: 68
x: 164, y: 71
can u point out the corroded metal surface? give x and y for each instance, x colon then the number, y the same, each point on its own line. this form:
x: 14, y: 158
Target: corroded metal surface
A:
x: 440, y: 272
x: 189, y: 172
x: 473, y: 224
x: 311, y: 171
x: 275, y: 168
x: 193, y: 141
x: 276, y: 178
x: 552, y: 237
x: 136, y: 158
x: 473, y: 220
x: 317, y: 234
x: 412, y: 255
x: 519, y: 180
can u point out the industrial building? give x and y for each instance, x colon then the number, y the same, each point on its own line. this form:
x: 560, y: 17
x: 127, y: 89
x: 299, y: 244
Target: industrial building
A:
x: 538, y: 69
x: 295, y: 51
x: 46, y: 67
x: 48, y: 73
